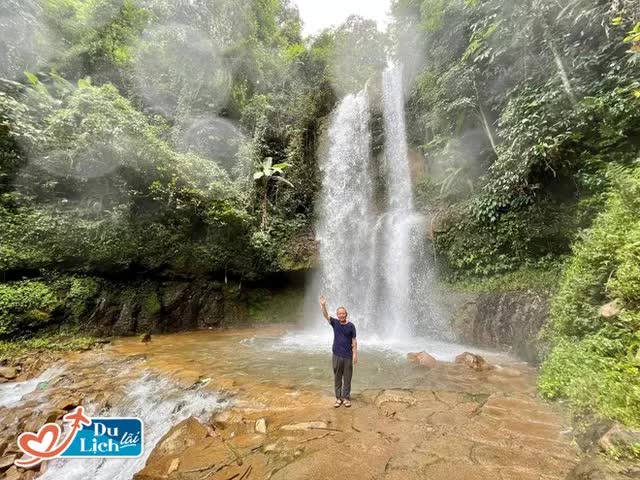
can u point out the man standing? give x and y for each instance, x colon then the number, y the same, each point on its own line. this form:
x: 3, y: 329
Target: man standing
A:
x: 345, y: 352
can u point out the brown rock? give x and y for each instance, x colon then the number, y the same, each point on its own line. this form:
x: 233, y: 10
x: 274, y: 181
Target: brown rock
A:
x: 8, y: 372
x: 186, y: 434
x: 187, y: 446
x: 145, y: 337
x: 395, y: 396
x: 261, y: 426
x: 599, y: 468
x: 610, y: 310
x: 472, y: 360
x: 305, y: 426
x: 12, y: 474
x: 618, y: 437
x: 55, y: 415
x: 6, y: 462
x: 68, y: 403
x: 175, y: 464
x: 509, y: 372
x: 422, y: 358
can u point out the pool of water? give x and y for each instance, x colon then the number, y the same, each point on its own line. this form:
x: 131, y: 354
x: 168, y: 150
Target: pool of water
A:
x: 297, y: 359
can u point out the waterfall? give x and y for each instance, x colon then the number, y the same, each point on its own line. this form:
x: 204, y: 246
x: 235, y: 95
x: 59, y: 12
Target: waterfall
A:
x: 346, y: 209
x: 374, y: 258
x: 399, y: 220
x: 406, y: 298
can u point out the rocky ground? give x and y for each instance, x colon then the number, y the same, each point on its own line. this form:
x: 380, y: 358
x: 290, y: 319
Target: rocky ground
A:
x: 462, y: 423
x: 387, y: 434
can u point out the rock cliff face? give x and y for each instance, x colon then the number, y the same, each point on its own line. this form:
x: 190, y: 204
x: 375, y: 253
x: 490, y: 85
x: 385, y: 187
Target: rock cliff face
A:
x: 158, y: 307
x: 507, y: 321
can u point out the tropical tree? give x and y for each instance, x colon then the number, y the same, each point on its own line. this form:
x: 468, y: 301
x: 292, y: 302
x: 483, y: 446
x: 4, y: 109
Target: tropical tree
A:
x: 268, y: 174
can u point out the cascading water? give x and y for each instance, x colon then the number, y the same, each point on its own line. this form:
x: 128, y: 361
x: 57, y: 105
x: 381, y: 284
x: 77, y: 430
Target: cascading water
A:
x: 398, y: 221
x: 160, y: 404
x: 346, y: 209
x: 11, y: 393
x: 374, y: 257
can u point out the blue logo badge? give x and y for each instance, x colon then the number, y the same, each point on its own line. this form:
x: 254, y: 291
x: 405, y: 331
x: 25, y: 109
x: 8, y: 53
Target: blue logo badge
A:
x: 115, y: 437
x: 111, y: 437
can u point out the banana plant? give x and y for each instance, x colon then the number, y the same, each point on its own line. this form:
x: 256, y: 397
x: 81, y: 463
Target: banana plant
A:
x: 266, y: 173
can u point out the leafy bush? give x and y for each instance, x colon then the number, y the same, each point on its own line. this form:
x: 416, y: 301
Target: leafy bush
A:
x: 29, y: 306
x: 594, y: 361
x: 46, y: 342
x: 26, y: 305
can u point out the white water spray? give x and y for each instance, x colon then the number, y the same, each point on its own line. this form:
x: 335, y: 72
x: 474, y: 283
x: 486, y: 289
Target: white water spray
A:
x: 374, y: 257
x: 346, y: 209
x: 160, y: 404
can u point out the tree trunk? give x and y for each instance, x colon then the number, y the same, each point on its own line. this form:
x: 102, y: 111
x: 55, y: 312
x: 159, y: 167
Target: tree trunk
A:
x: 263, y: 222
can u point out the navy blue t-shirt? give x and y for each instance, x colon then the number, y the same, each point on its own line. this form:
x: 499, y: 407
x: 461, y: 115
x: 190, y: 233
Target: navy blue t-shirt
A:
x: 342, y: 336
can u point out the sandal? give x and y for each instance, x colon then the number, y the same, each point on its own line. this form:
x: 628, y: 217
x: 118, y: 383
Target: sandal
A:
x: 347, y: 403
x: 338, y: 403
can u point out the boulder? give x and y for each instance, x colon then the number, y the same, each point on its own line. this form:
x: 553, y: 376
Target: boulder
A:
x: 598, y: 467
x: 472, y: 360
x: 619, y: 437
x: 8, y: 372
x: 610, y: 310
x: 145, y: 337
x: 422, y: 358
x: 186, y: 434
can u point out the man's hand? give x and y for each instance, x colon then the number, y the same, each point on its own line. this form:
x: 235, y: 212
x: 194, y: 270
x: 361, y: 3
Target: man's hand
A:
x: 354, y: 347
x: 323, y: 307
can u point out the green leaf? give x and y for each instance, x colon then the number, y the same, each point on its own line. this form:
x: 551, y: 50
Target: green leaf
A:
x: 281, y: 166
x: 33, y: 79
x: 84, y: 82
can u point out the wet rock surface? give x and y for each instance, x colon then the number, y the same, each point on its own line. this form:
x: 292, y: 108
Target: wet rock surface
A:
x: 453, y: 424
x: 422, y: 358
x: 386, y: 435
x: 473, y: 361
x: 508, y: 321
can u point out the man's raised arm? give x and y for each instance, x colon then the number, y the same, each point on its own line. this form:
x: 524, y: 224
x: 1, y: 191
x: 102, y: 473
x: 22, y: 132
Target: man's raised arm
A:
x: 323, y: 307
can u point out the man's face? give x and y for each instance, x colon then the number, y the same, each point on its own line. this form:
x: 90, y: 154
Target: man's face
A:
x: 342, y: 315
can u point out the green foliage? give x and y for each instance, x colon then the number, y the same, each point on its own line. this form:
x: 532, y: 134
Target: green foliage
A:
x: 152, y: 305
x: 522, y: 280
x: 26, y: 305
x: 593, y: 361
x: 110, y: 193
x: 56, y: 342
x: 279, y: 306
x: 604, y: 264
x: 357, y: 55
x: 595, y: 373
x: 519, y: 110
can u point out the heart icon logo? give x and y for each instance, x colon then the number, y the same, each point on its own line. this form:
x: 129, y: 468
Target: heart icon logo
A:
x: 39, y: 444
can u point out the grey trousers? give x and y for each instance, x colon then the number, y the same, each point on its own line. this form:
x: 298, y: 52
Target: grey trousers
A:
x: 342, y: 372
